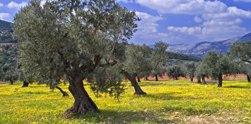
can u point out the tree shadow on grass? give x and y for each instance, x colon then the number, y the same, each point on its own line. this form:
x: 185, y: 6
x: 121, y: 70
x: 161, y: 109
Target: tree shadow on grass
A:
x: 238, y: 86
x: 190, y: 110
x: 154, y: 83
x: 165, y: 96
x: 37, y: 92
x: 123, y: 117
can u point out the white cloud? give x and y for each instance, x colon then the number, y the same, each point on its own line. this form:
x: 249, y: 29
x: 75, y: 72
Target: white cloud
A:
x: 4, y: 16
x: 216, y: 20
x: 148, y: 28
x: 198, y: 19
x: 14, y: 5
x: 212, y: 30
x: 1, y: 5
x: 242, y: 0
x: 183, y: 6
x: 186, y: 30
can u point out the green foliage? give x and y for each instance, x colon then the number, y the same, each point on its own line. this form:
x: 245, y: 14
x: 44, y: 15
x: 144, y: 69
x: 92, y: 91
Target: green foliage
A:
x: 168, y: 102
x: 159, y: 58
x: 190, y: 69
x: 202, y: 70
x: 70, y: 39
x: 175, y: 72
x: 8, y: 63
x: 216, y: 65
x: 177, y: 56
x: 241, y: 52
x: 138, y: 59
x: 108, y: 80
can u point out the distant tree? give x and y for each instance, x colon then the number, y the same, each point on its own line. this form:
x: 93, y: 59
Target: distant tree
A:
x: 159, y: 59
x: 245, y: 68
x: 219, y: 65
x: 137, y: 63
x: 73, y: 39
x: 202, y: 72
x: 175, y: 72
x: 190, y: 69
x: 241, y: 53
x: 8, y: 63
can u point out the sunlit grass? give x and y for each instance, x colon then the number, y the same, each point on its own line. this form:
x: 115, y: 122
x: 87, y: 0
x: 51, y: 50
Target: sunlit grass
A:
x: 167, y: 102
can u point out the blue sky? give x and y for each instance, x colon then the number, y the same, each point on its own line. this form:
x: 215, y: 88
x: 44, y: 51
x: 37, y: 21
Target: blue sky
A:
x: 176, y: 21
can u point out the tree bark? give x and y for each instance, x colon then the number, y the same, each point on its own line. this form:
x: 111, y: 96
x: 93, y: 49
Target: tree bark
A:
x: 132, y: 79
x: 203, y: 80
x: 220, y: 81
x: 146, y: 78
x: 191, y: 79
x: 25, y: 84
x: 156, y: 78
x: 62, y: 91
x: 248, y: 78
x: 199, y: 80
x: 83, y: 103
x: 138, y: 79
x: 11, y: 82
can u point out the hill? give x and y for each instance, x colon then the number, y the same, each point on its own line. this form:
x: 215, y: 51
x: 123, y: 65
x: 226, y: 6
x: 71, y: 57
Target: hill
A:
x: 6, y: 32
x: 4, y: 25
x: 178, y: 56
x: 202, y: 48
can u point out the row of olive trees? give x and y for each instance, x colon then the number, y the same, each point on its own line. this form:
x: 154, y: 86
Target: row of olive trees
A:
x: 10, y: 70
x: 215, y: 65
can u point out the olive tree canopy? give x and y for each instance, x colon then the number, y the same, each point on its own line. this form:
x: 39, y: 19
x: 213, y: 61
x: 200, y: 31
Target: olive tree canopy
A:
x: 70, y: 39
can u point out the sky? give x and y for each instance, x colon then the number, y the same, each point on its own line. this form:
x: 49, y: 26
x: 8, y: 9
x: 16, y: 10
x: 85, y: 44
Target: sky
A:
x: 175, y: 21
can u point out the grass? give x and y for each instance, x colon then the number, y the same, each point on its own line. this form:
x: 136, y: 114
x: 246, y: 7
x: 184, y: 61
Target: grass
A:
x: 167, y: 102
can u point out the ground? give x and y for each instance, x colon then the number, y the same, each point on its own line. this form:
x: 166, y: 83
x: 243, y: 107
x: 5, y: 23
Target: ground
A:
x: 167, y: 102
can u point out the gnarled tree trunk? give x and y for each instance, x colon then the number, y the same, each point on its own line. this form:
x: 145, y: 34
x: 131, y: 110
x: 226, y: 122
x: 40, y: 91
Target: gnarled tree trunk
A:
x: 191, y: 79
x: 220, y: 81
x: 11, y: 82
x: 83, y: 103
x: 203, y: 80
x: 248, y: 78
x: 62, y: 91
x: 199, y: 80
x: 132, y: 79
x: 156, y: 78
x: 25, y: 84
x: 138, y: 79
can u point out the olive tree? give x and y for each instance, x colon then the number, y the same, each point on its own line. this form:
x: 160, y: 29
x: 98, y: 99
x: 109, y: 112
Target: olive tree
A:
x: 175, y: 72
x: 190, y: 69
x: 159, y: 59
x: 219, y: 65
x: 202, y: 72
x: 246, y: 69
x: 70, y: 40
x: 137, y: 63
x: 241, y: 53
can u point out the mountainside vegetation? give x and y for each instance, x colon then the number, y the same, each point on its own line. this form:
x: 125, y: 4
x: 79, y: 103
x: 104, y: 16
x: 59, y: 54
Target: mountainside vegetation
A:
x: 6, y: 32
